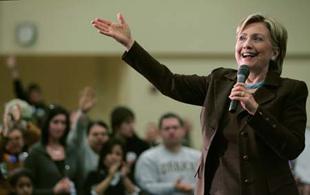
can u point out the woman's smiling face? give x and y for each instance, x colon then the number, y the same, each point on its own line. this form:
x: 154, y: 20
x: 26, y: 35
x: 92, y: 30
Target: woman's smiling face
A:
x: 254, y: 47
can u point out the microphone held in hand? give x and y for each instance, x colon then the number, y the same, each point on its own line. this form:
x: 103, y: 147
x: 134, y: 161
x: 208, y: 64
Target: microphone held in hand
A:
x: 242, y: 76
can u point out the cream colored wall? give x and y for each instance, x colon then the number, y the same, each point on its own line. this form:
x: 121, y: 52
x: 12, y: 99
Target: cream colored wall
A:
x: 161, y: 25
x: 166, y: 28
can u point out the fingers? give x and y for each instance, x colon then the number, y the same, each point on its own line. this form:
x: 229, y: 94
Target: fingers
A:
x: 102, y: 25
x: 239, y: 85
x: 101, y: 21
x: 239, y: 94
x: 66, y: 184
x: 104, y: 21
x: 120, y: 18
x: 238, y: 90
x: 115, y: 166
x: 245, y: 97
x: 88, y: 93
x: 107, y: 33
x: 63, y: 185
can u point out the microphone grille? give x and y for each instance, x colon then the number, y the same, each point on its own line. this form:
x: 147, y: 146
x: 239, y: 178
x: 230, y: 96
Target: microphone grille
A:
x: 244, y: 70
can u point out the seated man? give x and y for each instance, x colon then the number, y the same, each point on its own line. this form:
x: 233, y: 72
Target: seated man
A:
x: 170, y: 167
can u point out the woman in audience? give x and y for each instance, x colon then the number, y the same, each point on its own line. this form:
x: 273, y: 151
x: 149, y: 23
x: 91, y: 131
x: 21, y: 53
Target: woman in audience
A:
x: 111, y: 176
x: 52, y: 162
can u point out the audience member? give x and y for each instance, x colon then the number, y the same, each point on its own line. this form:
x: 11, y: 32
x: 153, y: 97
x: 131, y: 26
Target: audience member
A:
x: 33, y: 94
x: 172, y: 173
x: 122, y: 122
x: 87, y: 136
x: 16, y: 137
x: 54, y: 164
x: 111, y: 176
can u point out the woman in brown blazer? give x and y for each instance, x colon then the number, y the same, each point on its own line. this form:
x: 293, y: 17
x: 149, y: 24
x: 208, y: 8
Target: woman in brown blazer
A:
x: 245, y: 152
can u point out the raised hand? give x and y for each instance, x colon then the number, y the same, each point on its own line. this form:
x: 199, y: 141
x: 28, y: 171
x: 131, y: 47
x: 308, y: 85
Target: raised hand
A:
x: 87, y: 99
x: 12, y: 66
x: 119, y: 31
x: 11, y: 62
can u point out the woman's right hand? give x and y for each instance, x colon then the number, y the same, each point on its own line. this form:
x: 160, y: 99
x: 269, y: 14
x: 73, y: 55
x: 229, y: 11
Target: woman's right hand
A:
x: 119, y: 31
x: 114, y: 168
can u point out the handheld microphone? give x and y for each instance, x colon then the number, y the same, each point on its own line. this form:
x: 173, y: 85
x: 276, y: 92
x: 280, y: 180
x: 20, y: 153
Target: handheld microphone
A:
x: 242, y: 75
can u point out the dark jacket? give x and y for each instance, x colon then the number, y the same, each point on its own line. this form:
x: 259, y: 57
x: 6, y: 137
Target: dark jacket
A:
x: 267, y: 140
x: 94, y: 178
x: 45, y: 172
x: 40, y: 108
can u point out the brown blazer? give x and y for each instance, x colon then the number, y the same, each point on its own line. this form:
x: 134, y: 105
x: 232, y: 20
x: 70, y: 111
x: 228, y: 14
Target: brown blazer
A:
x: 267, y: 140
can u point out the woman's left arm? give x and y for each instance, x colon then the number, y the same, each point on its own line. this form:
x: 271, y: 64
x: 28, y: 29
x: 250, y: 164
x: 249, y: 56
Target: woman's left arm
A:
x: 285, y: 135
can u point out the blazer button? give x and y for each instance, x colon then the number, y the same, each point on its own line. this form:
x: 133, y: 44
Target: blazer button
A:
x: 246, y: 181
x: 245, y: 157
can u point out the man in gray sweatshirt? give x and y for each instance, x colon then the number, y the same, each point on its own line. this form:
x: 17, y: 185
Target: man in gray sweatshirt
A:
x: 168, y: 169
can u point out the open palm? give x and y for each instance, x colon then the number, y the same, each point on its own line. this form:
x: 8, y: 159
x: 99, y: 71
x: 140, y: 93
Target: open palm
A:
x: 119, y: 31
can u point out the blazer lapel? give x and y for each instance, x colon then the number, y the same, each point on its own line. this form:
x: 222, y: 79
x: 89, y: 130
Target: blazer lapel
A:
x: 267, y: 92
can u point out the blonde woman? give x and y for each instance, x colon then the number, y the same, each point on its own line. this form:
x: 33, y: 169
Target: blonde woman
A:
x: 245, y: 152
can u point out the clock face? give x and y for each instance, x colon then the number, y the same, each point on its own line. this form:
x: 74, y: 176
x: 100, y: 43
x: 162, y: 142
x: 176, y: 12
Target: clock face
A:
x: 26, y: 34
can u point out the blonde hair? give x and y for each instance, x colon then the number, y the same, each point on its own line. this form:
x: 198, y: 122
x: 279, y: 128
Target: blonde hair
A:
x: 278, y: 35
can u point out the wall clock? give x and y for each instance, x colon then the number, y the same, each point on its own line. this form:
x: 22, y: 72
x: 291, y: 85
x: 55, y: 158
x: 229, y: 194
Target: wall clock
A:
x: 26, y: 34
